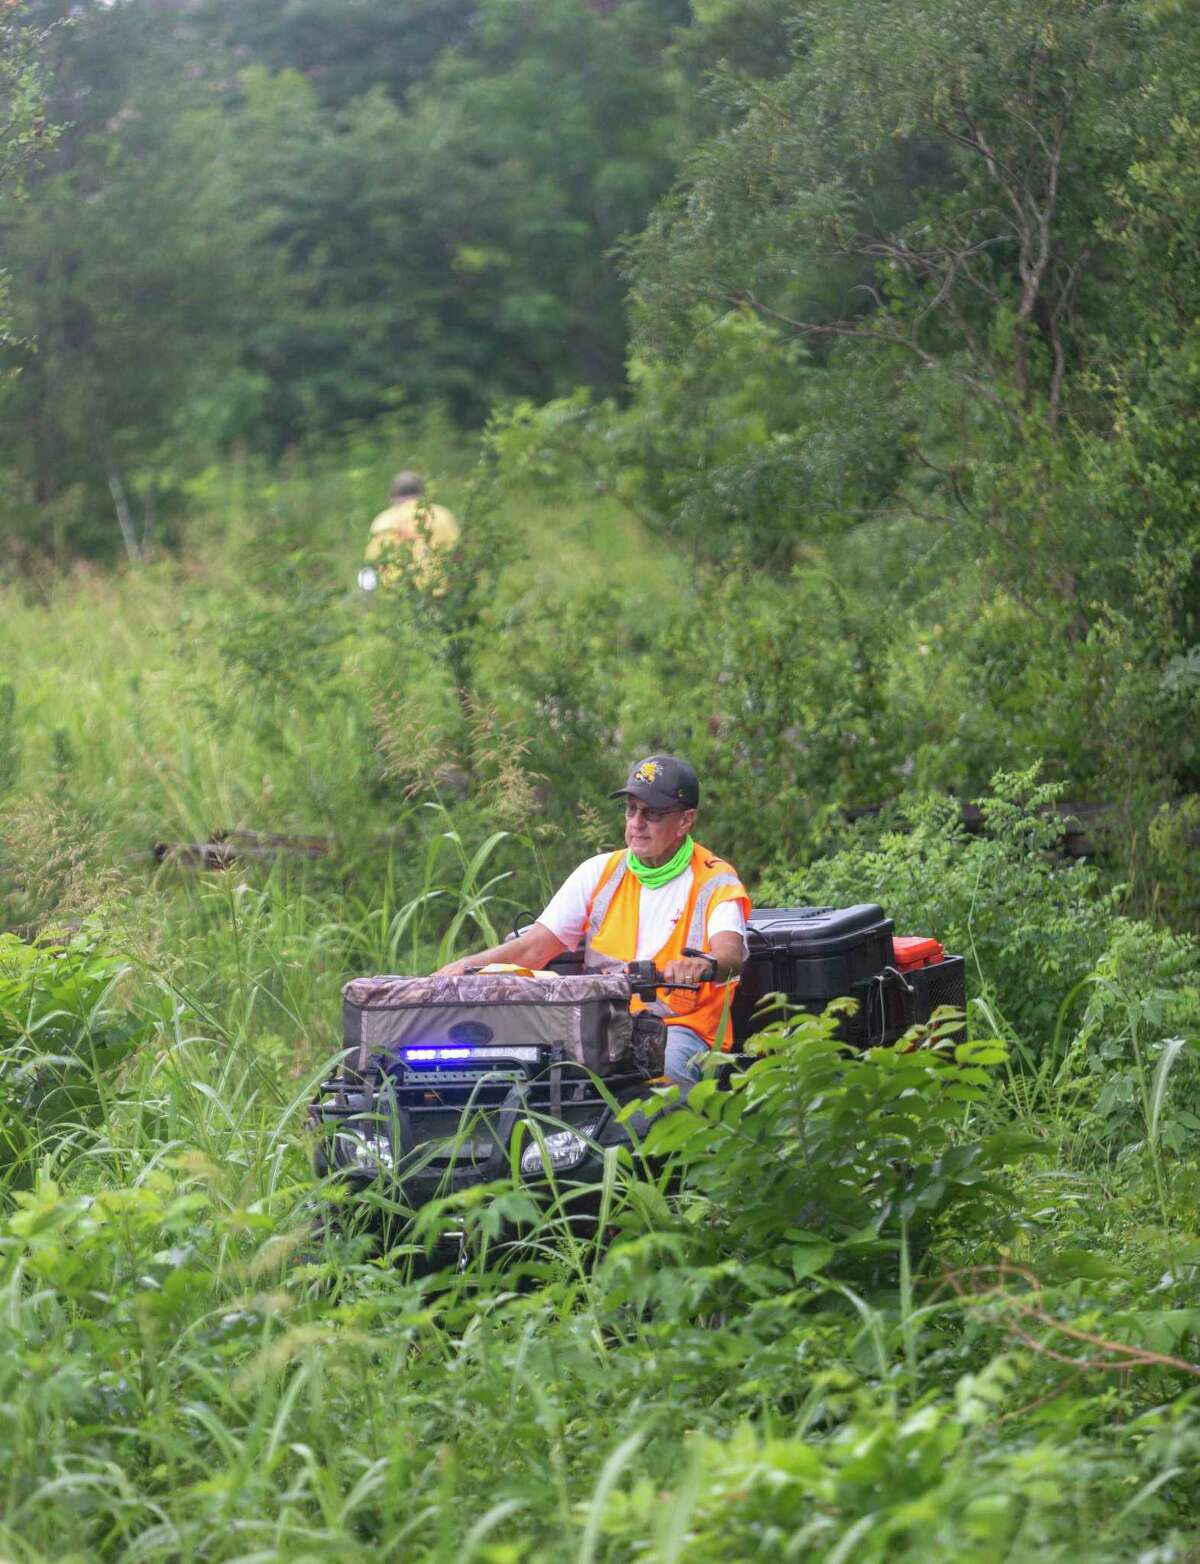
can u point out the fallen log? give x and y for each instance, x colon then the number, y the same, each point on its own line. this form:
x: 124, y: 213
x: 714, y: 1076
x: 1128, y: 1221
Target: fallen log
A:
x: 52, y: 932
x: 304, y: 846
x: 225, y: 849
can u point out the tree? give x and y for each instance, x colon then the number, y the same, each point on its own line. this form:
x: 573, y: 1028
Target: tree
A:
x: 224, y: 251
x: 926, y: 201
x: 27, y: 134
x: 453, y: 248
x: 122, y: 272
x: 343, y: 51
x: 966, y: 238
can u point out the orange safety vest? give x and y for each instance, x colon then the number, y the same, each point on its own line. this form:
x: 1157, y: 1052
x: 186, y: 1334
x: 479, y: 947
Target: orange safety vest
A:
x: 611, y: 933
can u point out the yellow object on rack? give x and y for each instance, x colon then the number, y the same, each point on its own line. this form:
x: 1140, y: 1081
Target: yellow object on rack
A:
x: 512, y: 970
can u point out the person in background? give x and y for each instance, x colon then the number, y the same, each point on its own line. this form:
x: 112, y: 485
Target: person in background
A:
x: 413, y: 524
x: 663, y: 899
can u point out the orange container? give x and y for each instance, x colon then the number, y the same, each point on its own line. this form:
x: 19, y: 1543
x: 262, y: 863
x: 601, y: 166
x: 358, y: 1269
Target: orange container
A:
x: 917, y: 950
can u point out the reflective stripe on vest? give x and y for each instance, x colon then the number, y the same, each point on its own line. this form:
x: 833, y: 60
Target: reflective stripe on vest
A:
x: 614, y: 872
x: 699, y: 919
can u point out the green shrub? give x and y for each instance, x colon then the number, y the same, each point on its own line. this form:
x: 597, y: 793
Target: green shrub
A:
x: 1100, y: 1007
x: 818, y: 1165
x: 1129, y: 1076
x: 1031, y: 928
x: 63, y: 1034
x: 901, y: 1486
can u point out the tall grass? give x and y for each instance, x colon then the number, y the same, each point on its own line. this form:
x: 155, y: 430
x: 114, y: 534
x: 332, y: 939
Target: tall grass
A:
x: 761, y: 1351
x: 192, y: 1370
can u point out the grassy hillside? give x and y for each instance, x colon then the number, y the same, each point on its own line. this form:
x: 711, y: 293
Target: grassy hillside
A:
x: 141, y: 683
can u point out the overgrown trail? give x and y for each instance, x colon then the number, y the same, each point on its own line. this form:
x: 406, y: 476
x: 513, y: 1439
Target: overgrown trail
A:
x: 886, y: 1304
x: 815, y: 388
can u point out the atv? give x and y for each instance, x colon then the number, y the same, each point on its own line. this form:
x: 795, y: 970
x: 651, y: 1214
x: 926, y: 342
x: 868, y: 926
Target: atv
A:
x: 449, y: 1083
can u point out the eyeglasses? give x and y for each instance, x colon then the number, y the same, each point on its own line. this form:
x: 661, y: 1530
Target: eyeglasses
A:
x: 651, y: 816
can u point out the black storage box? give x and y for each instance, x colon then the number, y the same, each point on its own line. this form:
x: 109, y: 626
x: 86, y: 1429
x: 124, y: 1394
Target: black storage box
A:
x: 811, y: 955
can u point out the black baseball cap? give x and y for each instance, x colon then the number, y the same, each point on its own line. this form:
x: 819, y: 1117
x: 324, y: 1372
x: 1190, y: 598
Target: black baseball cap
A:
x: 663, y: 782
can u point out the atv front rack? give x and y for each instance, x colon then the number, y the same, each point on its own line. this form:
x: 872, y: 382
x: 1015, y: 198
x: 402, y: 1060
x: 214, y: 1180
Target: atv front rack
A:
x: 439, y: 1124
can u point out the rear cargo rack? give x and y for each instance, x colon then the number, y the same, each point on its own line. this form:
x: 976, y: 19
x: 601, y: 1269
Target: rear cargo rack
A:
x: 812, y: 955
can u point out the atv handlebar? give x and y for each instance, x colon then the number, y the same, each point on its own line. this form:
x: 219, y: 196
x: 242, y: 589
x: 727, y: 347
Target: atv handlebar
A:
x: 645, y: 979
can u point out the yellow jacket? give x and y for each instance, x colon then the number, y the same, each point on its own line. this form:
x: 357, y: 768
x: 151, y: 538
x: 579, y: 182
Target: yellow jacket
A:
x: 415, y: 525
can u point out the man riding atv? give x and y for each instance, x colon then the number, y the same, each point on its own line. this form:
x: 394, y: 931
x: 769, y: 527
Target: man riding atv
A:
x: 496, y: 1066
x: 666, y: 900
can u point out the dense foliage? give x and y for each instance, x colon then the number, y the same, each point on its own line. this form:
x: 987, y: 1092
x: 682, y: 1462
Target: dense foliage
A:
x: 922, y: 1304
x: 909, y: 397
x: 239, y: 240
x: 816, y: 389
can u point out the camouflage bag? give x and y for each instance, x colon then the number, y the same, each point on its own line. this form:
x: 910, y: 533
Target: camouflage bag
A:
x: 586, y: 1016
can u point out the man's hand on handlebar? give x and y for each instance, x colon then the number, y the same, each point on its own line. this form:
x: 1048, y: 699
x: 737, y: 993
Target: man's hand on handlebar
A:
x: 689, y: 971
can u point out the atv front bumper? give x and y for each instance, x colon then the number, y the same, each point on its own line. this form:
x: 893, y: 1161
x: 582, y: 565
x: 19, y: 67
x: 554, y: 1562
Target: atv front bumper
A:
x: 414, y: 1138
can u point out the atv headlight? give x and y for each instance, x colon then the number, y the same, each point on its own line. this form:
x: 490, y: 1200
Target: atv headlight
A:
x: 564, y: 1149
x: 365, y: 1153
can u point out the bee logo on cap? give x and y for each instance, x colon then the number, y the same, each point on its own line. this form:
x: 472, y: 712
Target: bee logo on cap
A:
x: 647, y: 771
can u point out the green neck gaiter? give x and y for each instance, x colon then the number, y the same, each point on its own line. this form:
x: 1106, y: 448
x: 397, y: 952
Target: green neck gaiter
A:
x: 653, y: 878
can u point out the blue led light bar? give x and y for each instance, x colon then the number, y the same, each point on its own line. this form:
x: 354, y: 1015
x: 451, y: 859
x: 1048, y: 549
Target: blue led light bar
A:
x: 503, y: 1051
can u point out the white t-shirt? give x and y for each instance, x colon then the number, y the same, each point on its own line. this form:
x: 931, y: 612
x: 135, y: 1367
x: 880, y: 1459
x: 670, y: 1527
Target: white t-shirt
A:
x: 659, y: 911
